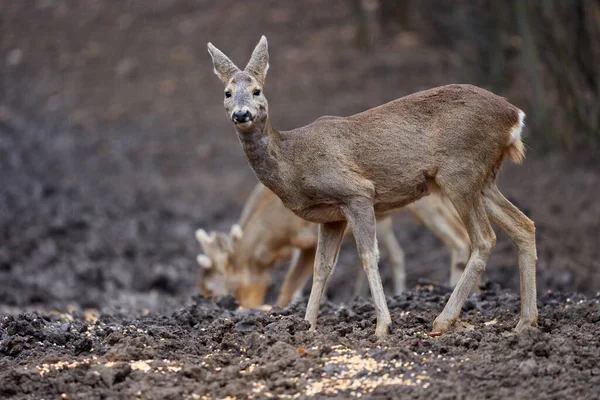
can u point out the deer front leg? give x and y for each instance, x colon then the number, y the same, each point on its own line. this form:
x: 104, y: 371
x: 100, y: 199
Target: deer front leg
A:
x: 395, y: 253
x: 300, y: 269
x: 361, y: 217
x: 328, y: 247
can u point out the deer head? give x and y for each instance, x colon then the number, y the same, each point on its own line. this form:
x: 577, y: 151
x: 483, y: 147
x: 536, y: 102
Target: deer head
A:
x: 244, y: 100
x: 217, y: 273
x: 224, y: 271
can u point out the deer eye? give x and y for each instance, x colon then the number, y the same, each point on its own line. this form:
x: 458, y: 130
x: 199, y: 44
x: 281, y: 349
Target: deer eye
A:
x: 228, y: 94
x: 256, y: 92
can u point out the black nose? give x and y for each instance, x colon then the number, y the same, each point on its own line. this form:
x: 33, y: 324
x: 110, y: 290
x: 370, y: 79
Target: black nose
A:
x: 241, y: 116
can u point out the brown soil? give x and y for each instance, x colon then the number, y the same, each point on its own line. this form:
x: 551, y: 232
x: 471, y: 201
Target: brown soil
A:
x: 221, y: 350
x: 114, y: 149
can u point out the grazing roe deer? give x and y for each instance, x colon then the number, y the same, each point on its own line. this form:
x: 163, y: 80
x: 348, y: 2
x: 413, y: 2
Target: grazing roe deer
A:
x: 240, y: 264
x: 349, y: 170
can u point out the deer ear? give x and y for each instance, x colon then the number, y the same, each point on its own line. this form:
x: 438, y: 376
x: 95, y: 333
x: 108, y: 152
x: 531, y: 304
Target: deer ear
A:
x: 259, y: 62
x: 235, y: 235
x: 204, y: 238
x: 224, y: 68
x: 204, y: 261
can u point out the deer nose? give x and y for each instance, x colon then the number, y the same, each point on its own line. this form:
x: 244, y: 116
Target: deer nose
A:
x: 241, y: 116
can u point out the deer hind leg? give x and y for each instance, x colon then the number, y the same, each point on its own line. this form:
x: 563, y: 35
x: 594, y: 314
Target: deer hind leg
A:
x: 361, y: 217
x: 385, y: 232
x: 521, y: 230
x: 328, y: 246
x: 472, y: 211
x: 301, y: 267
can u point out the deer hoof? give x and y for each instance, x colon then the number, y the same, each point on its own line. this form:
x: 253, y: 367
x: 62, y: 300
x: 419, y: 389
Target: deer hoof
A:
x: 524, y: 324
x: 382, y: 330
x: 440, y: 327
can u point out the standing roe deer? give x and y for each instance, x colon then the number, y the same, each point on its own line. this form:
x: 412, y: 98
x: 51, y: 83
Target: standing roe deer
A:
x: 240, y: 264
x: 348, y: 170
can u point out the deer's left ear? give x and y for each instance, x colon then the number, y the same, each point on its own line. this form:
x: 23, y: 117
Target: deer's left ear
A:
x: 204, y: 238
x: 259, y: 62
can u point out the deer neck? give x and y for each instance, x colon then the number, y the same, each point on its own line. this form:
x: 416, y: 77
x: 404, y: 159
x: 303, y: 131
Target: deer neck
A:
x: 262, y: 146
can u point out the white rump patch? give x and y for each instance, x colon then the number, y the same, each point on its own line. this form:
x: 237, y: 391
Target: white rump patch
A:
x: 517, y: 130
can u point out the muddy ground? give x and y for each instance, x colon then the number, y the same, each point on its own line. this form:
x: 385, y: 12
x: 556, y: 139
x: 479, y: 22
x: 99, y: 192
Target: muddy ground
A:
x: 114, y: 149
x: 205, y: 350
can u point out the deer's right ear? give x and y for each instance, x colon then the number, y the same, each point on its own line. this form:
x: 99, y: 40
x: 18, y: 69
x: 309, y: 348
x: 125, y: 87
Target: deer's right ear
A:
x: 204, y: 261
x: 223, y: 66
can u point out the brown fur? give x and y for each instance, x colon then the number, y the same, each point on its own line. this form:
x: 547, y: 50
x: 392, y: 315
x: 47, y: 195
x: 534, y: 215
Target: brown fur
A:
x: 346, y: 170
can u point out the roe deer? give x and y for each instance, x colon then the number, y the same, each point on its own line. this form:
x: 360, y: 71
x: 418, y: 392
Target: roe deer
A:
x: 240, y: 265
x: 349, y: 170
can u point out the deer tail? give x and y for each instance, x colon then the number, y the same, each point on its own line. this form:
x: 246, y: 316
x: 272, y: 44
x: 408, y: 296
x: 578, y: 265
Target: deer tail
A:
x: 516, y: 148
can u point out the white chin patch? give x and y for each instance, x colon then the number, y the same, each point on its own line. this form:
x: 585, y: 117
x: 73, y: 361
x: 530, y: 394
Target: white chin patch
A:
x: 243, y: 125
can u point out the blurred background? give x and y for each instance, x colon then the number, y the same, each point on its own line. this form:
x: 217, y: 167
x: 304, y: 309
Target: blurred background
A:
x: 114, y: 146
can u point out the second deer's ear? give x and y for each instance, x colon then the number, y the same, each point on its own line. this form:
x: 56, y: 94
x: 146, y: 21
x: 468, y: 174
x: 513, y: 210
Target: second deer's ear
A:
x: 224, y: 68
x: 235, y: 235
x: 259, y: 62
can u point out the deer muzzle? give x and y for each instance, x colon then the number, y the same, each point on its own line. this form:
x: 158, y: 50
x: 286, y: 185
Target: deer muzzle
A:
x: 241, y: 116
